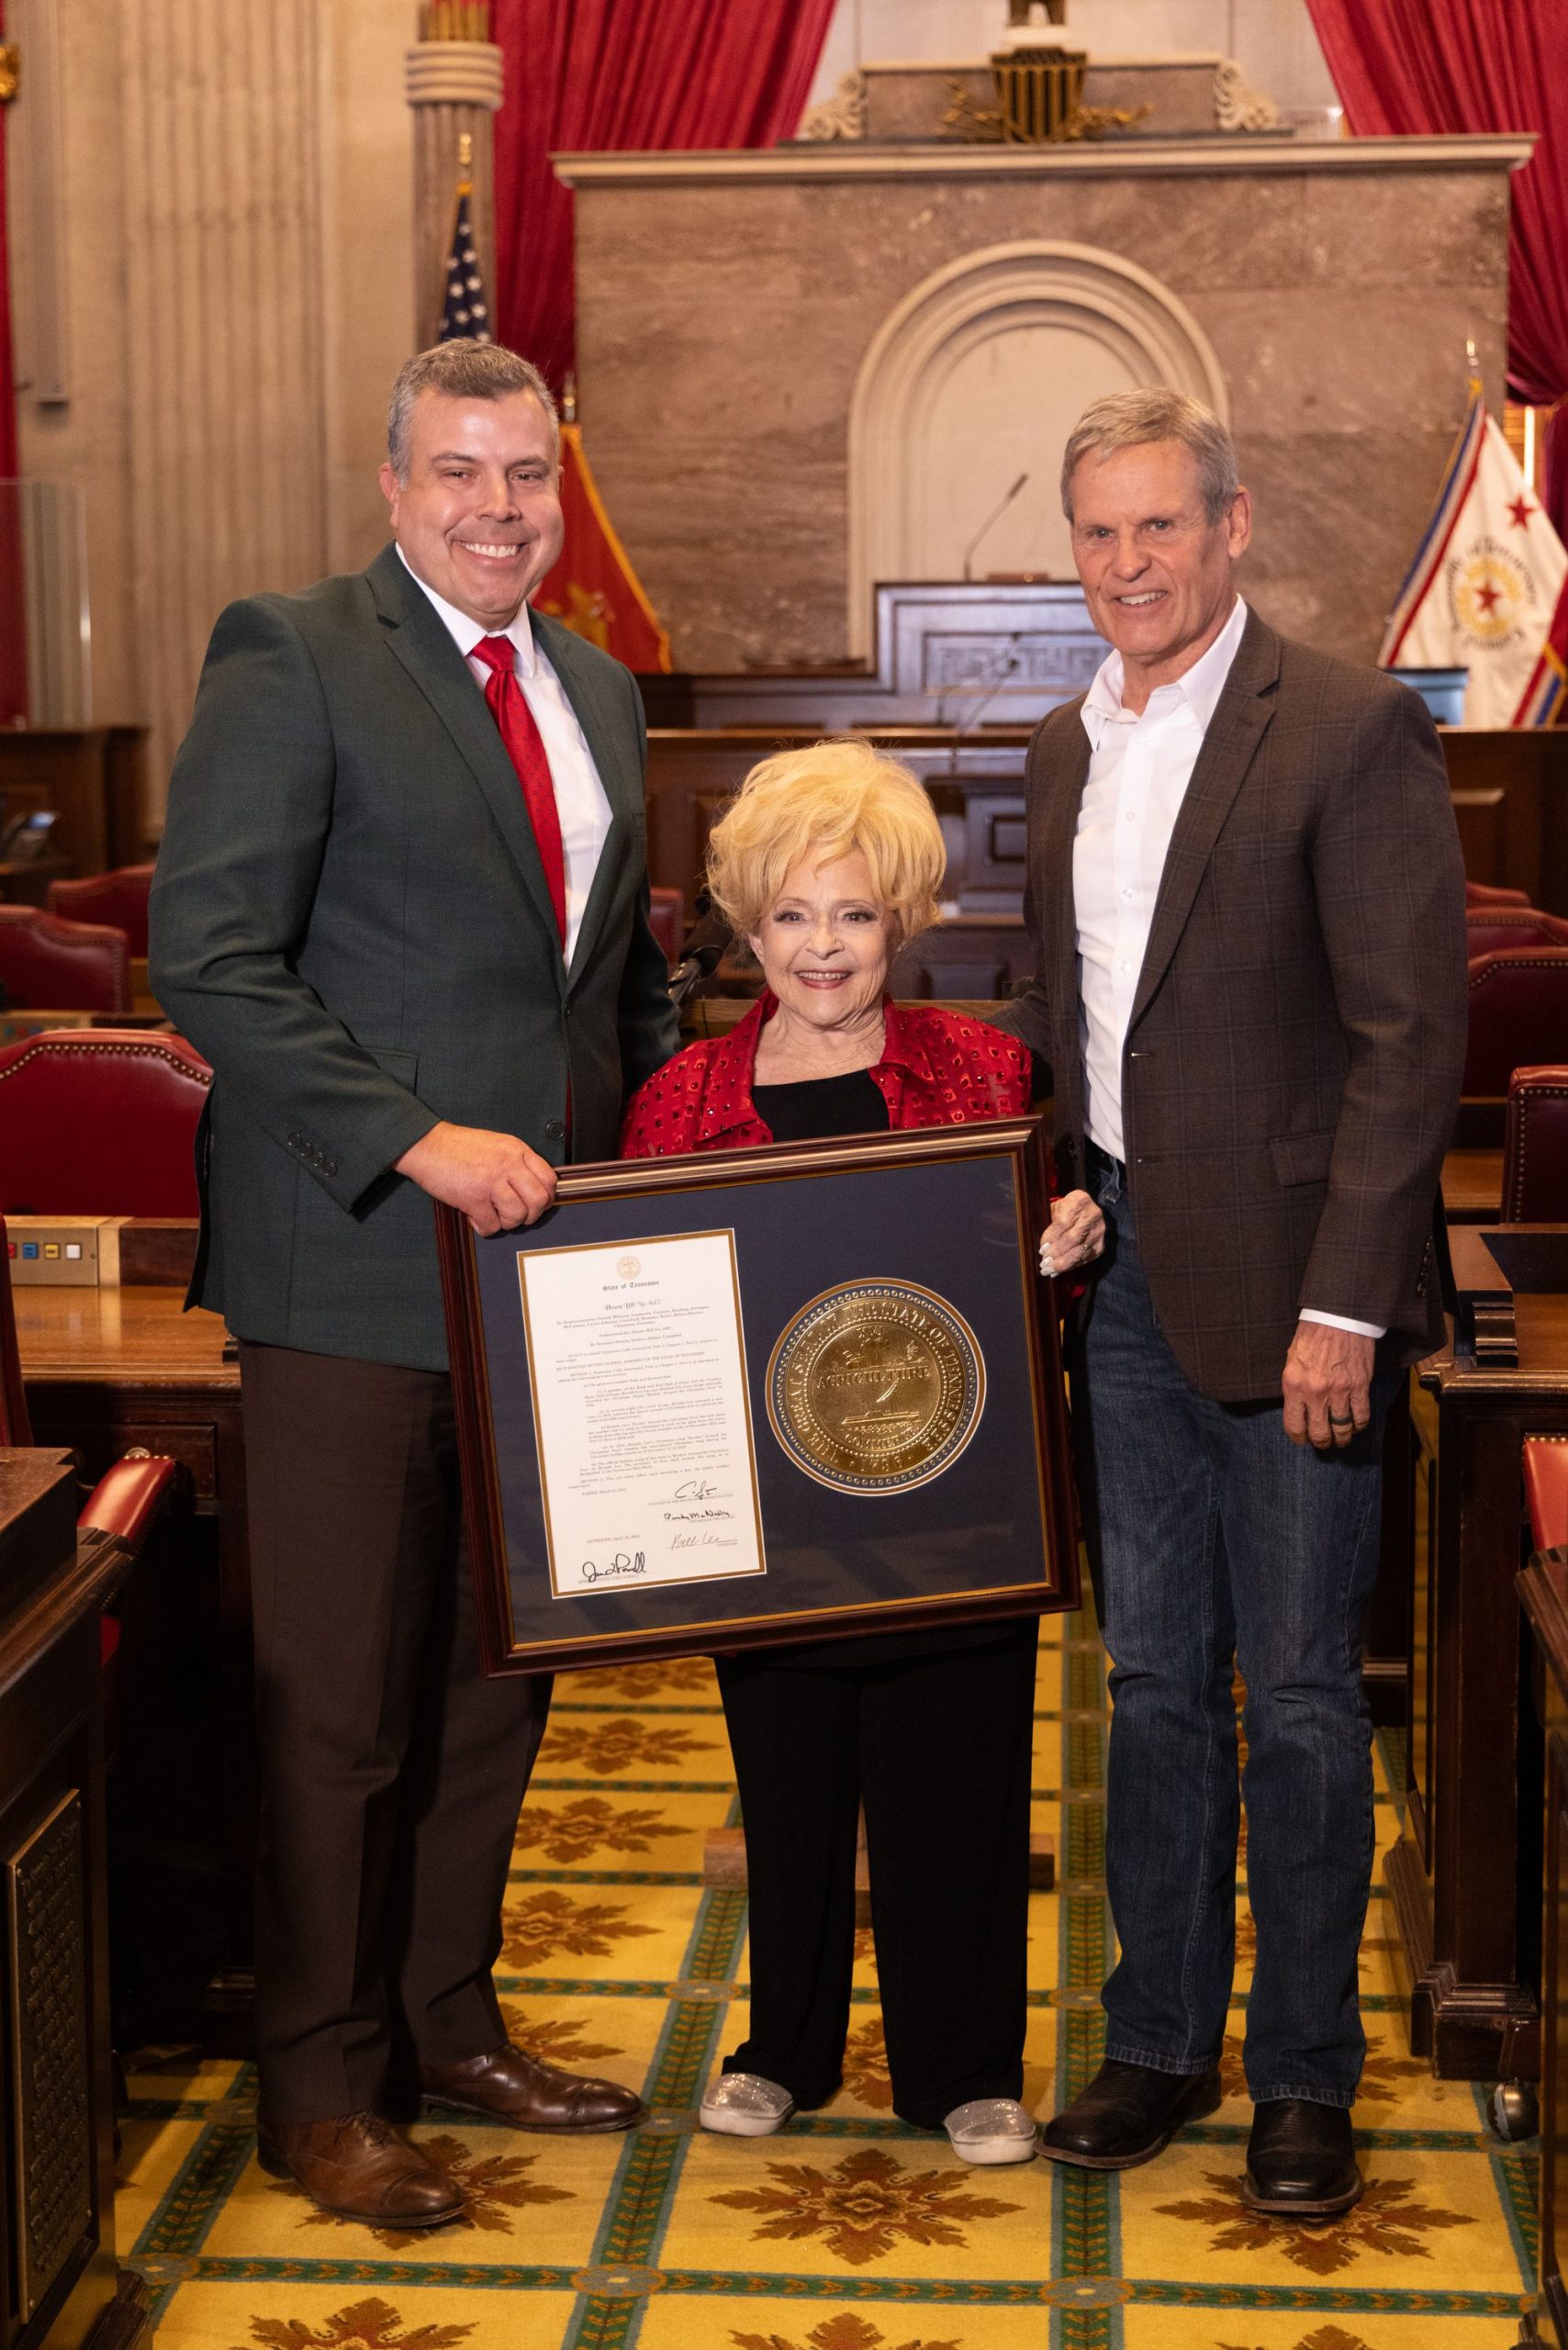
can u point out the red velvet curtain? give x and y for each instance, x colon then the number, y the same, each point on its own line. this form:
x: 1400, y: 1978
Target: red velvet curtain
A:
x: 1426, y: 65
x: 625, y: 74
x: 12, y: 642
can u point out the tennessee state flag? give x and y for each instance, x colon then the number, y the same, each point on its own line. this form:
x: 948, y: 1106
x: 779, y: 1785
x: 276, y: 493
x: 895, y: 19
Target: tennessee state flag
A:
x: 593, y: 589
x: 1545, y: 701
x: 1484, y: 592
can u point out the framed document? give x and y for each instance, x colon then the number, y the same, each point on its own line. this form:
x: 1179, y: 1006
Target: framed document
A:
x: 747, y: 1398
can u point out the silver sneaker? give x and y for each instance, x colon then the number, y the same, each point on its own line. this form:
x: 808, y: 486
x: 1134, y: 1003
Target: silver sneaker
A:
x: 743, y: 2105
x: 991, y: 2130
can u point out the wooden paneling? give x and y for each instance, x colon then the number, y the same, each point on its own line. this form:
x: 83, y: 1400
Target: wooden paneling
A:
x: 59, y: 2285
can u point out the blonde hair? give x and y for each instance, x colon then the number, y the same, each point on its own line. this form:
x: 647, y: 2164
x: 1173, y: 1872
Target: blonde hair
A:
x: 824, y: 803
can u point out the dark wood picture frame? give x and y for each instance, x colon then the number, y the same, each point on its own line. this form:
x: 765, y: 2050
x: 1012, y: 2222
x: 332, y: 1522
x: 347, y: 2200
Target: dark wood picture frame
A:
x: 1013, y: 1145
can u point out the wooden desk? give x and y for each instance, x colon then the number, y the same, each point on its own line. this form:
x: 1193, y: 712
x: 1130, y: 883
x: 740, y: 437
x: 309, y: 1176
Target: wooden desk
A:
x: 107, y: 1369
x: 94, y: 776
x: 1472, y: 1186
x: 1544, y: 1590
x: 60, y: 2284
x: 1462, y: 1876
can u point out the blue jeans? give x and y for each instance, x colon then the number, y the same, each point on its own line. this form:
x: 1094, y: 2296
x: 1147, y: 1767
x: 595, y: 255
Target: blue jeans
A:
x: 1216, y: 1540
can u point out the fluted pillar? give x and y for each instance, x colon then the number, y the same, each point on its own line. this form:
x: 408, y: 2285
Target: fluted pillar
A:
x: 454, y: 89
x: 228, y: 442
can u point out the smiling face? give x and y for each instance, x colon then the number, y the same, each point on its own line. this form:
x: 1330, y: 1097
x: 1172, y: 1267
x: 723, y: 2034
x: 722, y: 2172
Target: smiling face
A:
x: 479, y: 515
x: 825, y: 943
x: 1156, y: 571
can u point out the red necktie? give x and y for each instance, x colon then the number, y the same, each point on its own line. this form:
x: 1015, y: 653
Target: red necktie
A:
x: 525, y: 746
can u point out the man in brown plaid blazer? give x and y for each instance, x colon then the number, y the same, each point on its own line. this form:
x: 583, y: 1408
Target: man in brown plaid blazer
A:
x: 1246, y: 902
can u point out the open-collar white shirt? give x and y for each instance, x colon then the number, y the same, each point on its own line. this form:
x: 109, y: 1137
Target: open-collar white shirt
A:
x: 1140, y: 762
x: 580, y: 797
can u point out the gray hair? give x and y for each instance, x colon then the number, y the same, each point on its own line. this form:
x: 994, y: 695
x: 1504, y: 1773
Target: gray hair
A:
x: 465, y: 369
x: 1126, y: 419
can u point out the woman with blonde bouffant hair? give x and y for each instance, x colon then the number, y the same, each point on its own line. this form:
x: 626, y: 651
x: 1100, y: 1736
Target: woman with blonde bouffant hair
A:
x: 827, y: 861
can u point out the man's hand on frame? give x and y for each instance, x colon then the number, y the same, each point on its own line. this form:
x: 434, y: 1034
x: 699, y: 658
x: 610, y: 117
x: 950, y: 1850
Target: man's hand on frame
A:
x: 496, y: 1179
x: 1327, y: 1385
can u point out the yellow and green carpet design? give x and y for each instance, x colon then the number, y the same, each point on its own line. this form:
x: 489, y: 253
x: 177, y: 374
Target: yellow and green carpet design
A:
x: 849, y: 2230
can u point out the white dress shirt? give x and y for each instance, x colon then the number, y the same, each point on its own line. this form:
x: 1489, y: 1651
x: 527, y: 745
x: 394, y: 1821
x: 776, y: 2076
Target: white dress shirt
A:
x: 1140, y: 764
x: 580, y: 797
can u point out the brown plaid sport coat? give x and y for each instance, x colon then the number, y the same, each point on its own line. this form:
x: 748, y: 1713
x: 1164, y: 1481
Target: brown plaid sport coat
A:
x: 1293, y: 1058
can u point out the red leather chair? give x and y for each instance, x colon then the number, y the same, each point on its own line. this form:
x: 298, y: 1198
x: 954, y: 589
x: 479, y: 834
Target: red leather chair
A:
x: 100, y: 1122
x: 1535, y: 1148
x: 1477, y: 893
x: 1519, y: 1016
x: 1546, y: 1489
x: 119, y: 898
x: 128, y: 1498
x: 666, y: 918
x: 1488, y: 928
x: 62, y: 966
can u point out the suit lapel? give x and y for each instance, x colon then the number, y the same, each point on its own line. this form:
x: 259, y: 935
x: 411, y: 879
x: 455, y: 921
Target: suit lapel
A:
x: 1056, y: 914
x: 611, y: 744
x: 1242, y: 715
x: 419, y: 639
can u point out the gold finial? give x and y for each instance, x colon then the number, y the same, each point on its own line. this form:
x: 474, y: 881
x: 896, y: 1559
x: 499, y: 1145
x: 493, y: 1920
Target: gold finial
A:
x: 569, y: 398
x: 465, y: 150
x: 1472, y: 366
x: 10, y: 72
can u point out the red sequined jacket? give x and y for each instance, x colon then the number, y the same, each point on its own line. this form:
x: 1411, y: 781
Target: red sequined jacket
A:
x: 938, y: 1068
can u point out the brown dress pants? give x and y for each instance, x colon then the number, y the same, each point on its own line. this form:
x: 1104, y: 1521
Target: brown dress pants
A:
x: 392, y: 1773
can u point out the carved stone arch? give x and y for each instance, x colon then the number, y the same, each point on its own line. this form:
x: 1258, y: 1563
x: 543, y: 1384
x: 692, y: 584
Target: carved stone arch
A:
x: 977, y: 375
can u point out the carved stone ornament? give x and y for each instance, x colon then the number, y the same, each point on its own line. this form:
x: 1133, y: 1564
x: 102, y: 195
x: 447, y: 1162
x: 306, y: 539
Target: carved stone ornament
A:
x: 10, y: 72
x: 1236, y: 106
x: 841, y: 117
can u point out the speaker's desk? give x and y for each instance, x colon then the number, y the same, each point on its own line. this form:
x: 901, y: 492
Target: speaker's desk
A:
x: 107, y: 1369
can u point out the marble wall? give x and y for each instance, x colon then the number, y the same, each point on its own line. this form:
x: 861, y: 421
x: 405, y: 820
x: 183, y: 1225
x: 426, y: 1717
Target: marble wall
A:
x: 726, y: 310
x: 233, y: 292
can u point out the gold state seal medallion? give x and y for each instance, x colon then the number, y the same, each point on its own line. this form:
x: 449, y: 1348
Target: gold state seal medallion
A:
x: 876, y: 1387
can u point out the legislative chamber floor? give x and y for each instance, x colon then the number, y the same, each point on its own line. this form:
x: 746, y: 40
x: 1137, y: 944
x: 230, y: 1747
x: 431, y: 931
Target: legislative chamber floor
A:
x: 848, y: 2231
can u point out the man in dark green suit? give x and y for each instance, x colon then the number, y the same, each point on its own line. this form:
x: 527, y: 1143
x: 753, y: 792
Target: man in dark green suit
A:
x: 401, y: 905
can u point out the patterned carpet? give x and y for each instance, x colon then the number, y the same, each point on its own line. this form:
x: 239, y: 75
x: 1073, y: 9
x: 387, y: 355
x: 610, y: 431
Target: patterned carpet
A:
x: 850, y: 2231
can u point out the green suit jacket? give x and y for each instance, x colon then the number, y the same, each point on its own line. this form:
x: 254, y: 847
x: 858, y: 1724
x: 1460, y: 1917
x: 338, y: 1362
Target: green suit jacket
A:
x: 350, y: 920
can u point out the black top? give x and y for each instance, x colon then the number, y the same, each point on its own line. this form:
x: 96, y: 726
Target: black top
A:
x: 808, y: 1111
x: 816, y: 1106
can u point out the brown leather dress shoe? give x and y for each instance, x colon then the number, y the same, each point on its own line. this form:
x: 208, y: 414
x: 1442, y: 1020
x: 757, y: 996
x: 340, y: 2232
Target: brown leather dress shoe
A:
x: 359, y: 2167
x: 507, y: 2086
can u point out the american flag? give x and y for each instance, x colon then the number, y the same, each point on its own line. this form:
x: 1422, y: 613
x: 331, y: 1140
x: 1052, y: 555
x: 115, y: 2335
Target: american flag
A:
x: 465, y: 316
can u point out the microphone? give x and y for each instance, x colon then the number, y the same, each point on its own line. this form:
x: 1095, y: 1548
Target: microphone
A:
x: 1007, y: 666
x: 994, y: 517
x: 703, y: 952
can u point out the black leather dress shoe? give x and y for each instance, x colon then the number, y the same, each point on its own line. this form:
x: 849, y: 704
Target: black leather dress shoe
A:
x: 1128, y: 2114
x: 1300, y: 2161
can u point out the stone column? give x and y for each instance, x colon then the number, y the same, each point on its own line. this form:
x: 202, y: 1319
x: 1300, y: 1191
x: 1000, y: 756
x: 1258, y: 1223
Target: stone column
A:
x: 454, y: 87
x: 221, y: 240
